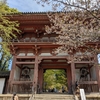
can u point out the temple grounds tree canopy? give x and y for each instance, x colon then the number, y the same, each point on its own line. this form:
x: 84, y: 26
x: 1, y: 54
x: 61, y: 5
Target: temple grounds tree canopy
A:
x: 7, y: 29
x: 58, y: 78
x: 71, y: 5
x: 77, y: 25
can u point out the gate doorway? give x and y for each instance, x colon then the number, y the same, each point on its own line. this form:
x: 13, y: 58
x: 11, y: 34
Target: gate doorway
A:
x: 55, y: 81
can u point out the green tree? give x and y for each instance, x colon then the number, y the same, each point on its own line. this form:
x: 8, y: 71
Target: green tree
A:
x: 4, y: 8
x: 7, y: 29
x: 55, y: 79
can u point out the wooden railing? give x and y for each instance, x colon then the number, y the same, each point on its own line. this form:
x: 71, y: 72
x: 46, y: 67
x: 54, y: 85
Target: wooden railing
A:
x: 44, y: 39
x: 89, y: 86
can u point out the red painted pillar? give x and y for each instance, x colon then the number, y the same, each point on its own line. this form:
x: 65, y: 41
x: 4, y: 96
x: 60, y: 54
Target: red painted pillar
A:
x: 99, y: 78
x: 97, y: 70
x: 73, y: 72
x: 41, y: 79
x: 69, y: 78
x: 35, y: 79
x: 11, y: 78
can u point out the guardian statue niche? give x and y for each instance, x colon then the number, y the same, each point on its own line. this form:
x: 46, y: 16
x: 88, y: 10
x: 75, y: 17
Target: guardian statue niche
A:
x: 84, y: 73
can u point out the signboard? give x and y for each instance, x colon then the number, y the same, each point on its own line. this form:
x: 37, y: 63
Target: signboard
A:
x: 2, y: 81
x: 82, y: 94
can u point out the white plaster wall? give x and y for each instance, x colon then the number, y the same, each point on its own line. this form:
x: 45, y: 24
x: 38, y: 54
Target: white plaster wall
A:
x: 45, y: 54
x: 2, y: 81
x: 93, y: 74
x: 28, y: 54
x: 17, y: 73
x: 77, y: 74
x: 49, y: 54
x: 32, y: 74
x: 18, y: 70
x: 21, y: 54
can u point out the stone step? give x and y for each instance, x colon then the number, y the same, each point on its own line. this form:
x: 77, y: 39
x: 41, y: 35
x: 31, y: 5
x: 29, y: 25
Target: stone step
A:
x: 52, y: 97
x: 38, y: 97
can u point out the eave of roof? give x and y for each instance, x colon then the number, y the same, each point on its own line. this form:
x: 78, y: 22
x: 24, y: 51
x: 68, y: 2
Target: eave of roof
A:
x: 4, y: 73
x: 32, y: 13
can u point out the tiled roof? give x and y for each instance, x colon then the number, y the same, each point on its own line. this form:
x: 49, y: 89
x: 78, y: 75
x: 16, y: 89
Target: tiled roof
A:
x: 32, y: 13
x: 4, y: 73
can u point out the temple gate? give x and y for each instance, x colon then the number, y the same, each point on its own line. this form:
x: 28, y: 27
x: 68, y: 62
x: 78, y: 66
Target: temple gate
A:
x: 32, y: 53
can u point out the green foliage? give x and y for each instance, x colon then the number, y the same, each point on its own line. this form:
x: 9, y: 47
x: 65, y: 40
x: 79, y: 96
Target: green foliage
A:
x: 5, y: 56
x: 7, y: 30
x: 6, y: 9
x: 55, y: 79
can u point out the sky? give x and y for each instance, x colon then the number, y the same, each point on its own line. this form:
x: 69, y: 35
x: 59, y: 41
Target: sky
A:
x: 27, y: 6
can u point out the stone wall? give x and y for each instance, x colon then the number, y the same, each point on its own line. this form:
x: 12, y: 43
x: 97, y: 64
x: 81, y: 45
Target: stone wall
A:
x: 93, y: 96
x: 9, y: 97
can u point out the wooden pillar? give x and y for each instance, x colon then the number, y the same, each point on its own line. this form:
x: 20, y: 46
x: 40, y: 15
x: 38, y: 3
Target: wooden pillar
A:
x: 35, y: 79
x: 69, y: 78
x: 98, y: 78
x: 73, y: 73
x: 41, y: 79
x: 11, y: 78
x: 97, y: 70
